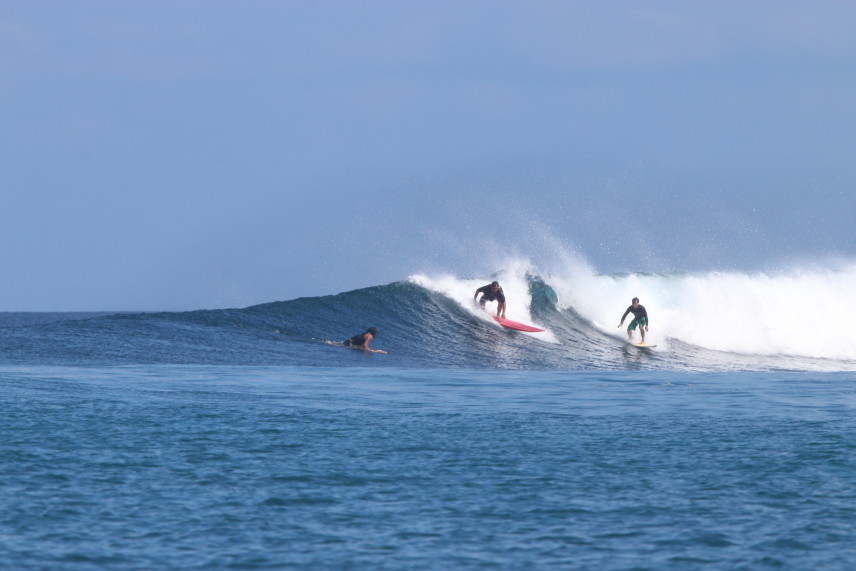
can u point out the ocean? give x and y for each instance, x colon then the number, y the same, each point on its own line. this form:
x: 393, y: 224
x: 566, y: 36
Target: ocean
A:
x: 241, y: 438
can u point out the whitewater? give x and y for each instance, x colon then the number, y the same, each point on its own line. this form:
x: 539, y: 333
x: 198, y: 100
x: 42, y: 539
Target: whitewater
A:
x: 790, y: 313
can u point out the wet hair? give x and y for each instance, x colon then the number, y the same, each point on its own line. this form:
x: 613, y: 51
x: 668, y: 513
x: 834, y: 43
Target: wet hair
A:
x: 494, y: 283
x: 635, y: 299
x: 372, y: 330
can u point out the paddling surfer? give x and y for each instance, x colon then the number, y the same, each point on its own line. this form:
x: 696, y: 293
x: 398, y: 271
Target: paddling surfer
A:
x: 640, y: 315
x: 492, y: 292
x: 362, y: 340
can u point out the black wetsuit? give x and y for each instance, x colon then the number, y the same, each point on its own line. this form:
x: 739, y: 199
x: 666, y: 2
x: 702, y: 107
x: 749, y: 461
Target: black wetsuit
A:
x: 489, y: 295
x: 638, y: 313
x: 355, y: 341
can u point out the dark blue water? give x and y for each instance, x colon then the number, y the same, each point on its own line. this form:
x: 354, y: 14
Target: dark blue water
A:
x: 258, y: 467
x: 240, y: 439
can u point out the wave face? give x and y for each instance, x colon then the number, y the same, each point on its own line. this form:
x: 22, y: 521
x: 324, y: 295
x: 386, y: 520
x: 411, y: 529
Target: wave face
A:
x: 702, y: 322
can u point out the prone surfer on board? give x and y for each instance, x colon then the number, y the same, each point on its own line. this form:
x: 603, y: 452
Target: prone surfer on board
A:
x: 641, y: 319
x: 492, y: 292
x: 362, y: 340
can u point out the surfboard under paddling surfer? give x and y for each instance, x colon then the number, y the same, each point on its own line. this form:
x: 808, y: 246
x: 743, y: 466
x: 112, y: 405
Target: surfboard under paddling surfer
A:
x: 362, y: 340
x: 492, y: 292
x: 641, y: 319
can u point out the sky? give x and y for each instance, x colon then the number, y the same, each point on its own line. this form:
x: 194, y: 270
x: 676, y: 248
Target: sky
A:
x: 163, y: 155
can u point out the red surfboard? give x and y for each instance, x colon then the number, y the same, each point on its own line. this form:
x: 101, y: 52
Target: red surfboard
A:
x: 515, y: 325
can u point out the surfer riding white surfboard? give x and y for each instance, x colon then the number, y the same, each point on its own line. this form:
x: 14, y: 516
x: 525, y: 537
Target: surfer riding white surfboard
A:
x: 640, y: 320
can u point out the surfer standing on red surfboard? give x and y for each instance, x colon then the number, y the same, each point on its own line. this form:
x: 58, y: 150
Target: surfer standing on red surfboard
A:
x: 641, y: 319
x: 492, y: 292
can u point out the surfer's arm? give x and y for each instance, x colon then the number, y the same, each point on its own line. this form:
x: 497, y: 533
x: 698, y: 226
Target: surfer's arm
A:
x: 623, y: 316
x: 367, y: 348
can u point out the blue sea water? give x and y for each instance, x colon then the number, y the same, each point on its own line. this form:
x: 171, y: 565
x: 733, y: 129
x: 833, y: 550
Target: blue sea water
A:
x: 240, y: 439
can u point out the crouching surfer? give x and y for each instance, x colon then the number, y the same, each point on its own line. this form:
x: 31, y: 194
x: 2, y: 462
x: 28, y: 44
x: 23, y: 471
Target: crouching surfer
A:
x: 492, y: 292
x: 362, y: 340
x: 641, y: 319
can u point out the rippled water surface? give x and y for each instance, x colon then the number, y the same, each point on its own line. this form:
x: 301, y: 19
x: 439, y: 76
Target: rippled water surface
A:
x: 258, y: 467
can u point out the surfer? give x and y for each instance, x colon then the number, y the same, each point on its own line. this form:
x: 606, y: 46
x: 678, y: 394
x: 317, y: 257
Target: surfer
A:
x: 492, y: 292
x: 362, y: 340
x: 640, y: 319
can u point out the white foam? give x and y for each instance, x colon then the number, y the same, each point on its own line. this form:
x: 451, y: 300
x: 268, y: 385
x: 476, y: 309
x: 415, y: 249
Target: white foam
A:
x: 514, y: 285
x: 800, y: 312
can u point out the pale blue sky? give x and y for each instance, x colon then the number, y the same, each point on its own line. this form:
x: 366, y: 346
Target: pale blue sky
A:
x: 189, y: 154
